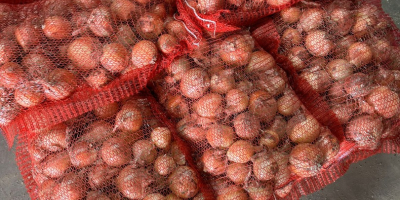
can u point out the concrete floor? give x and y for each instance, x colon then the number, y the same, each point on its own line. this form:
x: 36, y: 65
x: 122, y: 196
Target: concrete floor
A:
x: 376, y: 178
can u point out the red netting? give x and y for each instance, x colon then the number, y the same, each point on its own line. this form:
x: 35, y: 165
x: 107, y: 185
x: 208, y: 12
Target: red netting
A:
x: 120, y: 151
x: 60, y: 58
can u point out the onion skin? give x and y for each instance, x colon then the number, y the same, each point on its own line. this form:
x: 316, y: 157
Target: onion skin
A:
x: 192, y: 133
x: 339, y: 69
x: 328, y: 144
x: 150, y: 26
x: 115, y: 152
x: 8, y: 51
x: 132, y: 183
x: 260, y: 61
x: 318, y: 44
x: 235, y: 50
x: 177, y: 29
x: 214, y: 161
x: 60, y: 84
x: 240, y: 152
x: 278, y: 125
x: 115, y: 57
x: 183, y: 182
x: 341, y: 21
x: 129, y: 118
x: 343, y: 45
x: 164, y: 165
x: 306, y: 160
x: 125, y: 36
x: 178, y: 67
x: 100, y: 21
x: 359, y: 54
x: 220, y: 136
x: 269, y: 138
x: 210, y: 105
x: 144, y: 53
x: 264, y: 166
x: 246, y: 125
x: 100, y: 175
x: 84, y: 52
x: 262, y: 105
x: 311, y: 19
x: 319, y: 79
x: 385, y: 102
x: 27, y: 35
x: 195, y: 82
x: 366, y: 131
x: 290, y: 15
x: 38, y: 65
x: 343, y: 112
x: 97, y: 78
x: 298, y: 55
x: 238, y: 172
x: 177, y: 154
x: 82, y: 154
x: 144, y: 152
x: 167, y: 43
x: 337, y: 93
x: 236, y: 101
x: 57, y: 27
x: 357, y: 85
x: 30, y: 95
x: 291, y: 37
x: 55, y: 165
x: 303, y: 128
x: 11, y: 75
x: 71, y: 187
x: 222, y: 81
x: 177, y: 106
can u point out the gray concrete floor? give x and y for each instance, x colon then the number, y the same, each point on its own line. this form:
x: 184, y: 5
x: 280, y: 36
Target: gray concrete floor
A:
x: 376, y: 178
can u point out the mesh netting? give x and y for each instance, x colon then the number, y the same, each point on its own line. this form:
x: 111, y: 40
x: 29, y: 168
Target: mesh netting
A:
x: 120, y: 151
x: 60, y: 58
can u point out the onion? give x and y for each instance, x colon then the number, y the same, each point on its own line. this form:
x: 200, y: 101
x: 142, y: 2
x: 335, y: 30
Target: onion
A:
x: 27, y: 35
x: 60, y: 84
x: 262, y: 105
x: 288, y: 104
x: 236, y: 101
x: 340, y: 21
x: 71, y: 187
x: 380, y: 50
x: 236, y: 3
x: 311, y: 19
x: 318, y: 78
x: 96, y: 195
x: 210, y: 105
x: 278, y: 125
x: 264, y: 166
x: 144, y: 53
x: 38, y: 65
x: 318, y: 43
x: 259, y: 191
x: 133, y: 183
x: 366, y: 131
x: 339, y: 69
x: 232, y: 192
x: 144, y: 152
x: 236, y: 50
x: 357, y: 85
x: 115, y: 152
x: 55, y: 165
x: 164, y: 165
x: 161, y: 137
x: 385, y: 102
x: 167, y: 43
x: 84, y: 52
x: 57, y: 27
x: 359, y: 54
x: 101, y: 175
x: 82, y: 154
x: 115, y: 57
x: 260, y: 61
x: 177, y: 154
x: 269, y: 138
x: 214, y: 161
x: 87, y: 3
x: 277, y: 3
x: 238, y: 172
x: 177, y: 29
x: 195, y: 82
x: 97, y: 132
x: 100, y: 21
x: 31, y: 94
x: 240, y: 152
x: 36, y: 154
x: 129, y: 118
x: 124, y: 9
x: 328, y: 144
x: 222, y: 81
x: 125, y: 36
x: 306, y: 160
x: 337, y: 93
x: 155, y: 196
x: 11, y: 75
x: 290, y: 15
x: 149, y: 26
x: 192, y: 133
x: 343, y: 112
x: 178, y: 67
x: 298, y: 55
x: 247, y: 125
x: 183, y: 182
x: 365, y: 20
x: 97, y: 78
x: 46, y: 189
x: 343, y: 45
x: 210, y: 6
x: 291, y: 37
x: 220, y: 136
x: 245, y: 86
x: 8, y: 50
x: 303, y: 128
x: 106, y: 111
x: 8, y: 112
x: 177, y: 106
x: 172, y: 196
x: 53, y: 139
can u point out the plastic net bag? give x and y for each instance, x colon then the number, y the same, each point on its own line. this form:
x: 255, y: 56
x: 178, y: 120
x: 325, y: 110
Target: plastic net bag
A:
x: 56, y: 56
x: 252, y: 136
x: 120, y: 151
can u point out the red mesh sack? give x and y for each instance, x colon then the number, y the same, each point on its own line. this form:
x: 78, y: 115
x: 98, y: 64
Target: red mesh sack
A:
x: 120, y: 151
x: 252, y: 136
x: 60, y: 58
x: 219, y: 16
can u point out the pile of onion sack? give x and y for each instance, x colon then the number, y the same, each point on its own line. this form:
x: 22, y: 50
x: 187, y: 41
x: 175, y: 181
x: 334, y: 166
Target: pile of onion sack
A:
x: 57, y: 53
x: 120, y: 151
